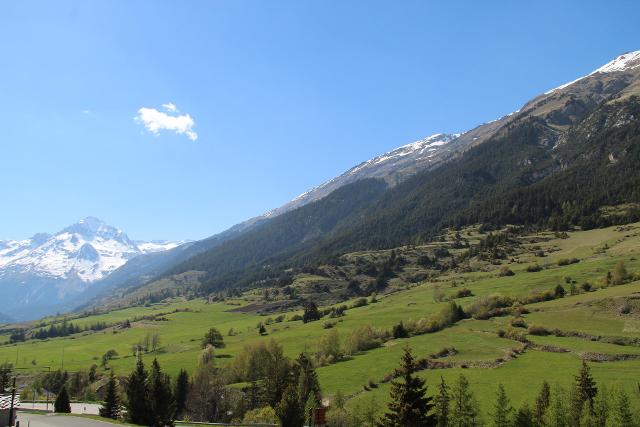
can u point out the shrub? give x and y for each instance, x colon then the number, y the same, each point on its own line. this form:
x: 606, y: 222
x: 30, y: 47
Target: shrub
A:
x: 360, y: 302
x: 337, y: 311
x: 447, y: 316
x: 625, y: 308
x: 463, y: 293
x: 518, y: 322
x: 445, y: 352
x: 513, y: 334
x: 295, y: 318
x: 328, y: 325
x: 568, y: 261
x: 538, y: 330
x: 505, y: 271
x: 520, y: 310
x: 266, y: 415
x: 620, y: 274
x: 494, y: 305
x: 586, y: 286
x: 329, y: 347
x: 439, y: 295
x: 362, y: 339
x: 534, y: 268
x: 399, y: 331
x: 537, y: 296
x: 559, y: 292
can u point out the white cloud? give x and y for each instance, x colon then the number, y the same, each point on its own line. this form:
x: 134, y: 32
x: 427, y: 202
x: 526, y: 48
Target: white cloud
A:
x: 155, y: 121
x: 170, y: 107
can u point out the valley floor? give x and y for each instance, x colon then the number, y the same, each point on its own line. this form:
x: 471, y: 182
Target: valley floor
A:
x: 600, y: 324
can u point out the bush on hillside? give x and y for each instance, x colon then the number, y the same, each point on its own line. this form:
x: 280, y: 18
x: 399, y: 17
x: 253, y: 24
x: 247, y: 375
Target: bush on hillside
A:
x: 506, y: 271
x: 534, y: 268
x: 538, y: 330
x: 362, y: 339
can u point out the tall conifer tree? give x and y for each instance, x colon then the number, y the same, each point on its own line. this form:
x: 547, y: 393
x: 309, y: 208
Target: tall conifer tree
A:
x: 162, y: 404
x: 410, y: 405
x: 441, y: 404
x: 62, y: 405
x: 111, y: 405
x: 502, y: 409
x: 137, y: 391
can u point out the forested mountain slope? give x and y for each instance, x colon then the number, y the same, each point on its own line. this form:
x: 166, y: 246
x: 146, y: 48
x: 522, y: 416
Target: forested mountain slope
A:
x: 558, y: 162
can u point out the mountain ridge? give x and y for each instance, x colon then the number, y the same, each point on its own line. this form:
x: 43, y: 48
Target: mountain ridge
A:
x: 52, y: 268
x: 435, y: 197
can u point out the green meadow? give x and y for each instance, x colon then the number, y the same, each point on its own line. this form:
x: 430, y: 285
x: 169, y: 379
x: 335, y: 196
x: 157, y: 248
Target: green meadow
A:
x: 480, y: 353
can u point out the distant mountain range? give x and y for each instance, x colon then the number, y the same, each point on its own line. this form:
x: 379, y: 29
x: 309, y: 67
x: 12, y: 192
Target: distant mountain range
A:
x: 556, y: 161
x: 51, y: 271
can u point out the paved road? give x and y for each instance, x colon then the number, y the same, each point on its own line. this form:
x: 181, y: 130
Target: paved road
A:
x: 37, y: 420
x: 76, y: 408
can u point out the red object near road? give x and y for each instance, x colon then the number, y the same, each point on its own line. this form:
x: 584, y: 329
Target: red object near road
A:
x: 320, y: 416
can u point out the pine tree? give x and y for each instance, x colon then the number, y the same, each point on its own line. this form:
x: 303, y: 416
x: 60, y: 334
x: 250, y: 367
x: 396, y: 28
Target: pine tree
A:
x: 441, y: 404
x: 587, y: 418
x: 307, y: 381
x: 181, y: 391
x: 137, y: 391
x: 62, y: 405
x: 621, y: 415
x: 587, y: 389
x: 409, y: 406
x: 542, y: 403
x: 213, y: 338
x: 277, y: 373
x: 601, y: 407
x: 289, y: 411
x: 309, y: 407
x: 5, y: 376
x: 575, y: 406
x: 557, y: 414
x: 502, y: 409
x: 111, y: 405
x: 464, y: 408
x: 254, y: 395
x: 161, y: 401
x: 523, y: 417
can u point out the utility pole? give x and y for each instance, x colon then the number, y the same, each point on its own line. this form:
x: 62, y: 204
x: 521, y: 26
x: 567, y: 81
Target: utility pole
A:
x: 47, y: 390
x: 13, y: 397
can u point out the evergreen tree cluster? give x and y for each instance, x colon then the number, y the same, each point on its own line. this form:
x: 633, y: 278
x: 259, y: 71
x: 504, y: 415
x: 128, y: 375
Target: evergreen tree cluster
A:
x: 149, y: 396
x: 66, y: 328
x: 584, y: 404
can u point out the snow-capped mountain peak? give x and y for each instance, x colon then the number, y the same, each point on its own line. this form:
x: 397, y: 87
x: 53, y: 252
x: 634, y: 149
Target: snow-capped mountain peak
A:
x: 391, y: 166
x: 88, y: 250
x: 625, y: 62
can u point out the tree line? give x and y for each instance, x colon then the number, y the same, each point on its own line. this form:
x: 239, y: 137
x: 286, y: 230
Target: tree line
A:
x: 582, y: 404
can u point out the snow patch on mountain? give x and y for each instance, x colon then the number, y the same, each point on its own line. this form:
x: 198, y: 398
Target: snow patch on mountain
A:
x: 625, y: 62
x: 158, y: 245
x: 402, y: 160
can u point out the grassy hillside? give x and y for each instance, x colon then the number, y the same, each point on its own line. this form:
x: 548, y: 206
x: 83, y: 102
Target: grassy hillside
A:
x: 599, y: 324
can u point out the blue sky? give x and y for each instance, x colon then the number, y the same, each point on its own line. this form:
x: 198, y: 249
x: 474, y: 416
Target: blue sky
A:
x: 283, y: 95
